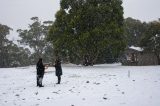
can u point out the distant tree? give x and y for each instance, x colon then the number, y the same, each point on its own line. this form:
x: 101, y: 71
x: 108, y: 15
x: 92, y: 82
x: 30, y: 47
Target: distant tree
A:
x: 18, y: 56
x: 10, y: 54
x: 151, y: 39
x: 134, y: 30
x: 35, y: 38
x: 4, y: 42
x: 83, y: 29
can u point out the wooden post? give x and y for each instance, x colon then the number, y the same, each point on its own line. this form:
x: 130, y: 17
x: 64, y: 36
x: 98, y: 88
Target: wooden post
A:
x: 129, y: 73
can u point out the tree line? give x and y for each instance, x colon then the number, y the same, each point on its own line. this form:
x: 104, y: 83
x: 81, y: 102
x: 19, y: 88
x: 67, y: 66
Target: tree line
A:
x: 144, y: 35
x: 13, y: 55
x: 84, y: 32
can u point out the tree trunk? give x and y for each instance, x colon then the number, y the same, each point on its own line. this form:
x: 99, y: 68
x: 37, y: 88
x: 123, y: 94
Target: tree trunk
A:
x: 158, y: 58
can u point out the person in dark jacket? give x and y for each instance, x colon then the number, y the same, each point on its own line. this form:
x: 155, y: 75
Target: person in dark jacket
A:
x: 58, y: 71
x: 40, y: 72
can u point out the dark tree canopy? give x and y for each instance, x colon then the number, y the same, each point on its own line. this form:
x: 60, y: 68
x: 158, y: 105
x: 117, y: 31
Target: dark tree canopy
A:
x: 10, y: 54
x: 83, y: 29
x: 150, y: 40
x: 134, y: 30
x: 4, y: 42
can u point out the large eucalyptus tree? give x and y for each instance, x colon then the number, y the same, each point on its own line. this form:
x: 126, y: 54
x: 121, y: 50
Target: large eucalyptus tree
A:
x: 83, y: 29
x: 35, y: 38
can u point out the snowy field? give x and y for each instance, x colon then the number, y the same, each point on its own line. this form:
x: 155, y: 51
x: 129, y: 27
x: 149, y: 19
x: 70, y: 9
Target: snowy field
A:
x: 100, y: 85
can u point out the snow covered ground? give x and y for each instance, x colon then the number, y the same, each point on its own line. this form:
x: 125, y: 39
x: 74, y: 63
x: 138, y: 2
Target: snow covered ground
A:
x: 100, y: 85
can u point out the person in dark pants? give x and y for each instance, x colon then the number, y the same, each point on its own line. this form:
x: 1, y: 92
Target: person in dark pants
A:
x: 40, y: 72
x: 58, y: 71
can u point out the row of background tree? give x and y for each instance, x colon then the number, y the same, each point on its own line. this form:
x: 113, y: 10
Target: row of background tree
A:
x: 144, y: 35
x: 13, y: 55
x: 137, y: 33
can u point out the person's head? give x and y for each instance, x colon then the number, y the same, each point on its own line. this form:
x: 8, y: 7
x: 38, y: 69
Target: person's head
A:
x: 40, y: 59
x: 58, y: 60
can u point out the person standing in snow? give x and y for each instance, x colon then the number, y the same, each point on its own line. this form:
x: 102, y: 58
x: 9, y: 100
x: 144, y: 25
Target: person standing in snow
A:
x: 58, y: 69
x: 40, y: 72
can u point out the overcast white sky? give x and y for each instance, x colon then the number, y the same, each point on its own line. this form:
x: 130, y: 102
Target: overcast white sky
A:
x: 17, y: 13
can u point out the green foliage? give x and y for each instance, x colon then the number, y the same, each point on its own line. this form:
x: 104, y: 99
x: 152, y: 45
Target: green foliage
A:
x: 10, y: 54
x: 85, y: 28
x: 150, y: 41
x: 134, y: 30
x: 18, y: 56
x: 35, y: 38
x: 4, y: 31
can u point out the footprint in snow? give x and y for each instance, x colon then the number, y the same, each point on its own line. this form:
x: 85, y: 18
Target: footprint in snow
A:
x: 70, y: 90
x: 96, y: 83
x: 105, y: 98
x: 17, y: 95
x: 36, y: 93
x: 123, y: 93
x: 55, y: 92
x: 87, y: 81
x: 3, y: 93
